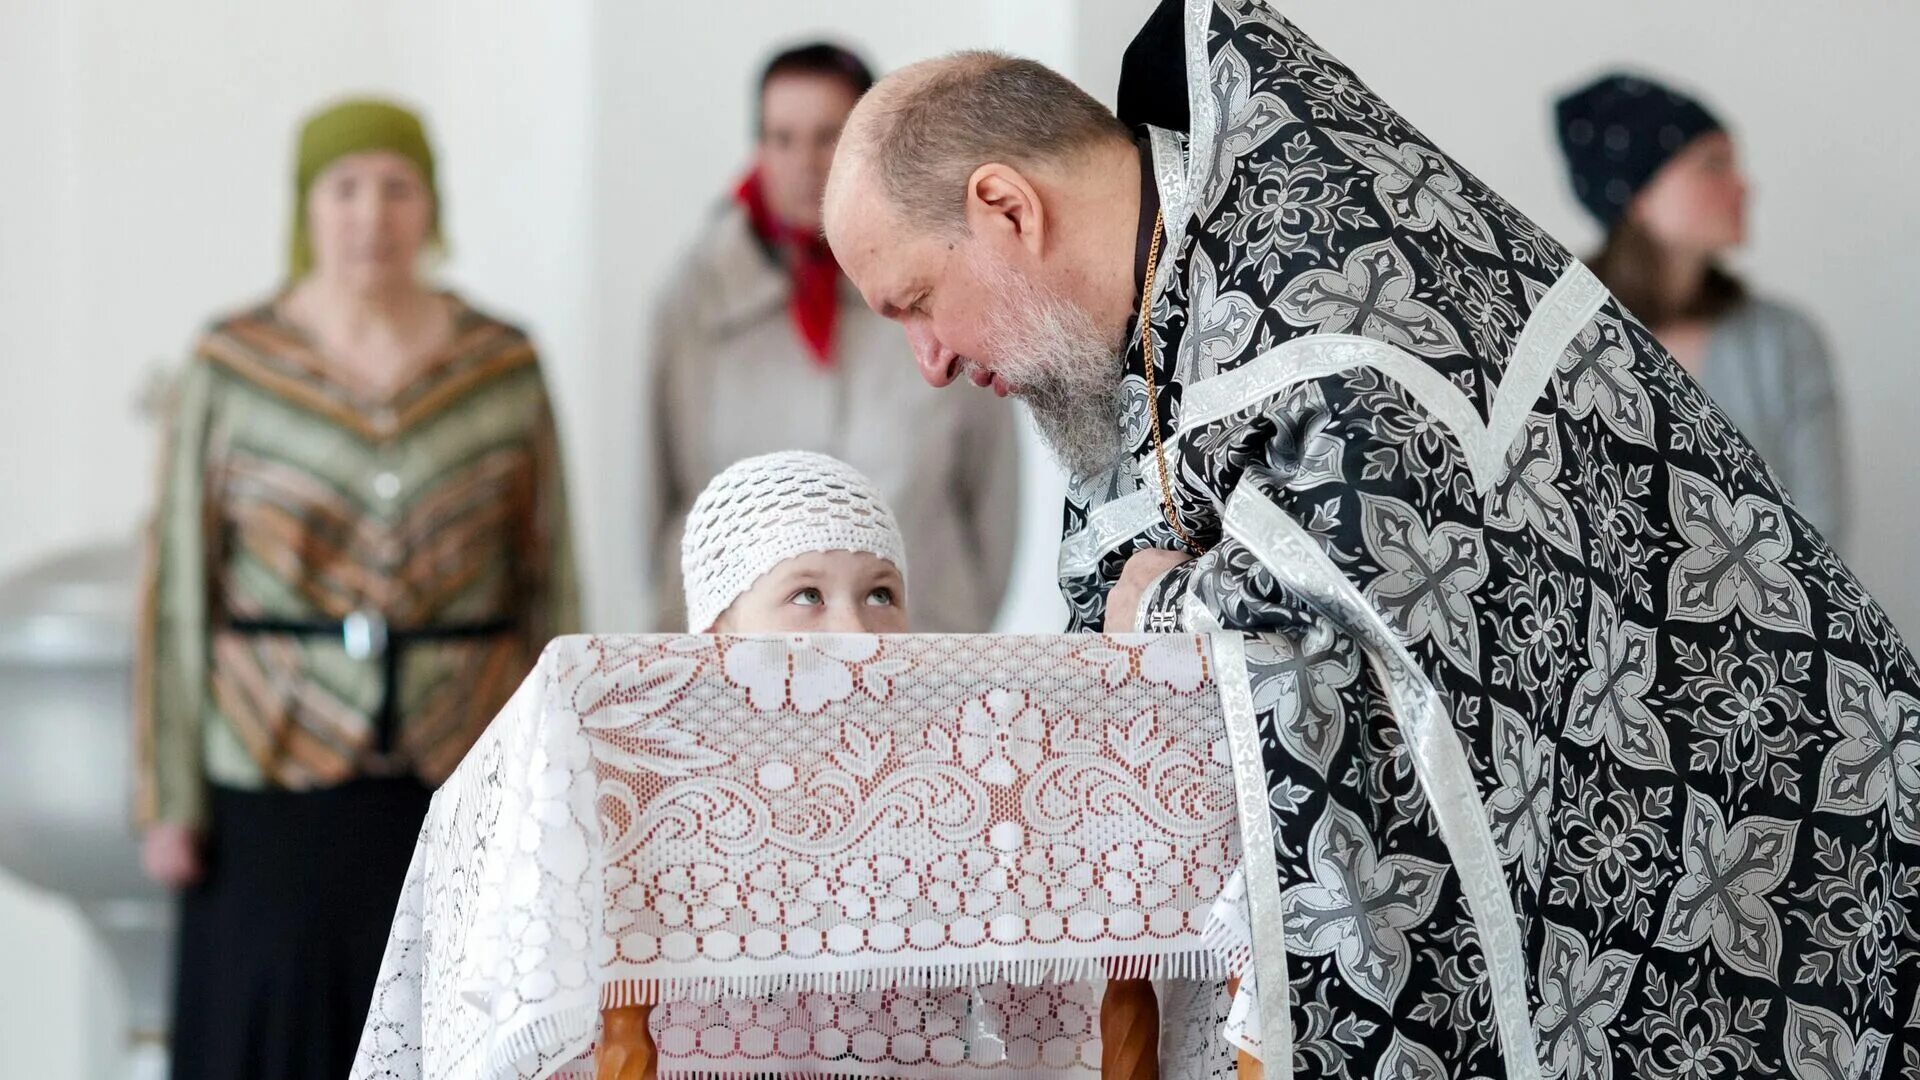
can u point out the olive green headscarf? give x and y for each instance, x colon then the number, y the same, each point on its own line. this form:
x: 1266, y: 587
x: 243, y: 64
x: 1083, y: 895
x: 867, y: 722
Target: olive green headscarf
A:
x: 354, y: 127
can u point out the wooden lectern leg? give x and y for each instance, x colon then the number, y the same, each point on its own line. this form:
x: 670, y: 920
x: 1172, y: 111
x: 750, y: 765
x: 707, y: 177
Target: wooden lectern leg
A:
x: 626, y: 1050
x: 1246, y: 1065
x: 1129, y: 1031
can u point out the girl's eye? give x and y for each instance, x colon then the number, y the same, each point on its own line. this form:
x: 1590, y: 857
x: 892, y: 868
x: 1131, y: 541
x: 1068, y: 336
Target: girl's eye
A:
x: 880, y: 597
x: 808, y: 598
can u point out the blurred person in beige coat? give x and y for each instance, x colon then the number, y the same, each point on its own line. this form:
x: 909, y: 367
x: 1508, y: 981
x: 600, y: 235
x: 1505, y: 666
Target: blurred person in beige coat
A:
x: 761, y: 344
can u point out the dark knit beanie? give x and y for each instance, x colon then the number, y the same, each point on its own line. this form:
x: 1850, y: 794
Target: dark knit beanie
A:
x: 1617, y: 132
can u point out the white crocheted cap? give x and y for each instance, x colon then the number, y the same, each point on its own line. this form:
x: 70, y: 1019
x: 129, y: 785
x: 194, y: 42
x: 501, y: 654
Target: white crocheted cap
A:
x: 765, y: 510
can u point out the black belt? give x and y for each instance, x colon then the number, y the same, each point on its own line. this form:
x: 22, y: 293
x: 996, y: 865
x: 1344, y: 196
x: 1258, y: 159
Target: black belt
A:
x: 366, y: 635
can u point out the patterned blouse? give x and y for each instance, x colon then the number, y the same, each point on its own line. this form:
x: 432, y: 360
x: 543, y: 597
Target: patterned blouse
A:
x: 297, y: 511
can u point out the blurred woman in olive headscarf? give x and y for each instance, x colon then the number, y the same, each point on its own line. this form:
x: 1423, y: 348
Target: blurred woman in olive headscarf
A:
x: 360, y: 548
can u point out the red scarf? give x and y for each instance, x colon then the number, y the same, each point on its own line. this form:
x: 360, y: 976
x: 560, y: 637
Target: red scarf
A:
x: 814, y: 302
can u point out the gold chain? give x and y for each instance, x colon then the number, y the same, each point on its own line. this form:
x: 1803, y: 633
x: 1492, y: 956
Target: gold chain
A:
x: 1153, y: 402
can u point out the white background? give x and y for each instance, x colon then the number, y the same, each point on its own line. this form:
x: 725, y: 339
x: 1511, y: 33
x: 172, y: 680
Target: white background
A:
x: 143, y: 188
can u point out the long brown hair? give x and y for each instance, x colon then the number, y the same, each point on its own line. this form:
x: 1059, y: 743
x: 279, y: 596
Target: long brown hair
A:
x: 1629, y: 263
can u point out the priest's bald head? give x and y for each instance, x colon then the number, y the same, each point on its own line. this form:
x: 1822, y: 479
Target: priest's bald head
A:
x: 992, y: 207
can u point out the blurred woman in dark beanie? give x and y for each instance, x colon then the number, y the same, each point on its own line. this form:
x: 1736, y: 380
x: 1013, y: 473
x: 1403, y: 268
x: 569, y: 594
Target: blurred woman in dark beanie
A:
x: 1660, y: 174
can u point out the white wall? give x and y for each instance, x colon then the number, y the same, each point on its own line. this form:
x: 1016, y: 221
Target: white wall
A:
x: 143, y: 188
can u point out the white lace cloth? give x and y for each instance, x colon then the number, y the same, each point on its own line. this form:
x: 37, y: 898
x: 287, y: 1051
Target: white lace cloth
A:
x: 797, y: 843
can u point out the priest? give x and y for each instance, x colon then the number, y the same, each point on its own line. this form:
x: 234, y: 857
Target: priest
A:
x: 1579, y: 751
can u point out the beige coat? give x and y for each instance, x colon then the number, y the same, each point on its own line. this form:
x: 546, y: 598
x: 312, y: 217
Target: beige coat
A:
x: 730, y: 378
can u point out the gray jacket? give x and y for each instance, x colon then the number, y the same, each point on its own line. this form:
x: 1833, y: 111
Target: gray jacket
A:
x: 1767, y: 368
x: 731, y: 379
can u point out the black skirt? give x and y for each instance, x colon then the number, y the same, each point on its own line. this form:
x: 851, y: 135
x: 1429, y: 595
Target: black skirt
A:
x: 281, y: 941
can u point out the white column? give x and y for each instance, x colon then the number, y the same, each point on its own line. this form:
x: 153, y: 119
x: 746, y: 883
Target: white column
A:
x: 1084, y: 40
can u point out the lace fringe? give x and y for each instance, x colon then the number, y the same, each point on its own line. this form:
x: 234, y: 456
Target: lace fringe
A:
x: 546, y: 1038
x: 1200, y: 964
x: 1228, y: 947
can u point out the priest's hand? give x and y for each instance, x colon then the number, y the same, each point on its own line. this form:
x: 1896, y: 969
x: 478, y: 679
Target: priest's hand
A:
x: 626, y: 1050
x: 170, y: 854
x: 1123, y: 603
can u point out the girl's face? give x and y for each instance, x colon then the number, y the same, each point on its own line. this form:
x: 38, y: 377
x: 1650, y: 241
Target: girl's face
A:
x: 823, y: 592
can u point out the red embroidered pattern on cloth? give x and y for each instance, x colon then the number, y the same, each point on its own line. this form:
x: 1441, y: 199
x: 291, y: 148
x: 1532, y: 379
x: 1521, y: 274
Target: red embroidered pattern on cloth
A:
x: 857, y: 812
x: 998, y: 1028
x: 809, y: 848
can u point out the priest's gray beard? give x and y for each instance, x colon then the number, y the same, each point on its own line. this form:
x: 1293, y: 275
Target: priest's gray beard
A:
x: 1057, y: 361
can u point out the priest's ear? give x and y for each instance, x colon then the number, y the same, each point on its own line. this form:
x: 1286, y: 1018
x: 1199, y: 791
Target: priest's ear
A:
x: 1003, y: 207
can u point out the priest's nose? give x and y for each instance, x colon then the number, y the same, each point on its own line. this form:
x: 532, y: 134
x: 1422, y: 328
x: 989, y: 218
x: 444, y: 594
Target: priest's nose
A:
x: 938, y: 364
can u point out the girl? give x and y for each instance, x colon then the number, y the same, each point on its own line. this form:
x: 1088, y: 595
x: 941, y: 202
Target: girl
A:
x: 800, y: 542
